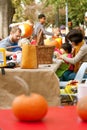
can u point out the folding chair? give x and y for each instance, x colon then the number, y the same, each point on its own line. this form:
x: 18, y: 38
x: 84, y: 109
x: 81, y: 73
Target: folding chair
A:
x: 79, y: 76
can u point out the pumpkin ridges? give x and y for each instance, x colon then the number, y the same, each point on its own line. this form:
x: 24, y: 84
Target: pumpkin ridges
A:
x: 33, y: 111
x: 32, y: 107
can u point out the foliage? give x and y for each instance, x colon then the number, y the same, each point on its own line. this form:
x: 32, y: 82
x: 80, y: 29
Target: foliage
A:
x: 27, y: 9
x: 76, y: 9
x: 20, y: 6
x: 16, y: 2
x: 54, y: 10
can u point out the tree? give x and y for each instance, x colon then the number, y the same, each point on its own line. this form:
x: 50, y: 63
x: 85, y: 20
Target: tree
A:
x: 8, y: 10
x: 6, y: 13
x: 76, y: 9
x: 28, y: 9
x: 20, y: 9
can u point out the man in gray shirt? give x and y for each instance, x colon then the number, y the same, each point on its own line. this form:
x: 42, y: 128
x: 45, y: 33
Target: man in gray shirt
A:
x: 11, y: 40
x: 40, y: 26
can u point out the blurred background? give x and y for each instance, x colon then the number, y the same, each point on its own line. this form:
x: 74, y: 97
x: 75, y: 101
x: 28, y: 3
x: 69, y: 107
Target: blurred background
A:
x: 58, y: 12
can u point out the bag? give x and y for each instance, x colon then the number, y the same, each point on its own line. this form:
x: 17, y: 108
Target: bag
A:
x: 29, y: 57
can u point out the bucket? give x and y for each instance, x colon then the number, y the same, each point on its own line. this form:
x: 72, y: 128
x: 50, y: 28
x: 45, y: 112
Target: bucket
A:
x: 82, y: 90
x: 2, y: 57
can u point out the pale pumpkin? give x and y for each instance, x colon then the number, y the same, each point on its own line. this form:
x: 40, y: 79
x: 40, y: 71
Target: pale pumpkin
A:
x: 54, y: 42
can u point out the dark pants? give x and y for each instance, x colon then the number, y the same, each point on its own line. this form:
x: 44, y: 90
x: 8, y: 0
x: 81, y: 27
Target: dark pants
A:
x: 65, y: 76
x: 69, y: 75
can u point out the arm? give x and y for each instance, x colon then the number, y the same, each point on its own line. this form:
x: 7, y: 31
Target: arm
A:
x: 9, y: 53
x: 40, y: 26
x: 82, y: 52
x: 48, y: 33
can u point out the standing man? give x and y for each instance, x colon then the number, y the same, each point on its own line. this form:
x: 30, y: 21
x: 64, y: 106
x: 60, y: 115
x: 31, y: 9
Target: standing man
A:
x: 11, y: 40
x: 40, y: 27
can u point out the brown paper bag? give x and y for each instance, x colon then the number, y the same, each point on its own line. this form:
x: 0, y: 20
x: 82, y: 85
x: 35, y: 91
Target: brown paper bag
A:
x: 29, y: 57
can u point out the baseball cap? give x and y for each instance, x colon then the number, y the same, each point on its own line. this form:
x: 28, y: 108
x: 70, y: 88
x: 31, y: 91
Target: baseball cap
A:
x: 62, y: 27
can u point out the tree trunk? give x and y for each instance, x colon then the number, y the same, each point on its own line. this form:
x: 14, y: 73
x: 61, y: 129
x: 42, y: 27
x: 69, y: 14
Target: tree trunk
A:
x: 6, y: 15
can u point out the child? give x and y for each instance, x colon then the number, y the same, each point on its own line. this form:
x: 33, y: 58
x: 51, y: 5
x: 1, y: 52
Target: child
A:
x: 66, y: 49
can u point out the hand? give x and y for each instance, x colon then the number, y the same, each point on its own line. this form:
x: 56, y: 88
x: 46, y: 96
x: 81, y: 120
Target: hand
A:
x: 59, y: 56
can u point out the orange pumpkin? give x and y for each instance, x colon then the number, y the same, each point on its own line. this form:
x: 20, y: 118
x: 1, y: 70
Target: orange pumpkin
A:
x: 55, y: 42
x: 26, y: 29
x: 59, y: 40
x: 30, y: 107
x: 82, y: 108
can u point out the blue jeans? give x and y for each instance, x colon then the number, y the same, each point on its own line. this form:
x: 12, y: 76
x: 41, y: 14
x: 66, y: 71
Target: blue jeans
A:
x: 65, y: 76
x: 69, y: 75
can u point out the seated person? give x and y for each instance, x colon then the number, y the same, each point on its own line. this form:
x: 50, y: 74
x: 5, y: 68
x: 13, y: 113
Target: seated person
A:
x: 76, y: 39
x: 11, y: 40
x: 66, y: 50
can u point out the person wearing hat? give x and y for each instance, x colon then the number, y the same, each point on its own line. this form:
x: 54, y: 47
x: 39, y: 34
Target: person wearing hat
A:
x: 63, y: 32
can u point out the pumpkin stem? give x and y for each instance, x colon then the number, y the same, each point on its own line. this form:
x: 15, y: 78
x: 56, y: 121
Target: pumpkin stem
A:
x: 23, y: 84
